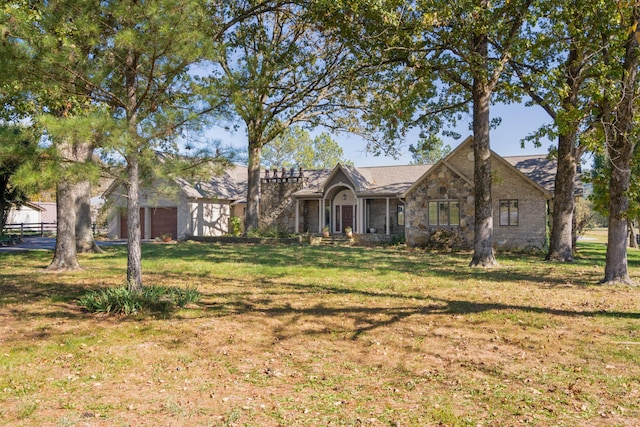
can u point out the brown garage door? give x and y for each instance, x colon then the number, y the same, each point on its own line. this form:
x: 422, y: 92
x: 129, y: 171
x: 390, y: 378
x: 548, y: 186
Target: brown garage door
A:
x: 163, y: 221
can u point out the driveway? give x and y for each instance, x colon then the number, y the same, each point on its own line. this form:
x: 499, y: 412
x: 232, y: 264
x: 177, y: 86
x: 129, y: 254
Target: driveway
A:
x: 49, y: 244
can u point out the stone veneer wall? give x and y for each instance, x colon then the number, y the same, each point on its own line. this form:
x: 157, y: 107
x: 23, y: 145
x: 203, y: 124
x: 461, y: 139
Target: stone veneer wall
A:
x: 441, y: 184
x: 444, y: 184
x: 277, y: 205
x: 309, y: 221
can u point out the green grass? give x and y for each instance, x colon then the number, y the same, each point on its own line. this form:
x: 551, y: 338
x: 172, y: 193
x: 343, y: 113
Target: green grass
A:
x: 301, y: 335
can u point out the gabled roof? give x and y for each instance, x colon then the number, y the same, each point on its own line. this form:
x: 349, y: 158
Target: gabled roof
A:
x: 370, y: 181
x: 539, y: 170
x: 357, y: 180
x: 231, y: 185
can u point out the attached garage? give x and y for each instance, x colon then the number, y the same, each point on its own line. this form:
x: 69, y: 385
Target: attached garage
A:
x: 162, y: 220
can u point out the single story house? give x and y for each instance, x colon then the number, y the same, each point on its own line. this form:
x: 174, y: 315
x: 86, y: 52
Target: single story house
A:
x: 412, y: 201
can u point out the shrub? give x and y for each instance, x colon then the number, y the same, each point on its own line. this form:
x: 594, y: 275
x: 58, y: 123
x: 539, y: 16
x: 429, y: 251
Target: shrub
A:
x: 121, y: 300
x: 444, y: 240
x: 272, y: 232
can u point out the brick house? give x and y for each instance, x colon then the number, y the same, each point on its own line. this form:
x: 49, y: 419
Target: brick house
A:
x: 378, y: 203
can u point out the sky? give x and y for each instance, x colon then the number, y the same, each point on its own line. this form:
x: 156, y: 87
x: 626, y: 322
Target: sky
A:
x: 518, y: 121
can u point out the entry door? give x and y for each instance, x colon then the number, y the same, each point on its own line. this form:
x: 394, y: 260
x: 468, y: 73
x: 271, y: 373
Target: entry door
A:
x: 347, y: 216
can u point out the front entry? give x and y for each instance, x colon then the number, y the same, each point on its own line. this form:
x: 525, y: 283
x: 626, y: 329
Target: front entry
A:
x: 344, y: 219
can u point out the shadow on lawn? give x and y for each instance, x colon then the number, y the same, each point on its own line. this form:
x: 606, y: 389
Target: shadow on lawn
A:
x: 15, y: 290
x: 373, y: 316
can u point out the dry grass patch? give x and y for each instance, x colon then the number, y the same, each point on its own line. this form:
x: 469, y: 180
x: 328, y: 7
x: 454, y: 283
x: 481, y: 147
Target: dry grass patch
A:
x: 301, y: 336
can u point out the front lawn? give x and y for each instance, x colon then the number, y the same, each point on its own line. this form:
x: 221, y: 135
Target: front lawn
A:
x: 317, y: 336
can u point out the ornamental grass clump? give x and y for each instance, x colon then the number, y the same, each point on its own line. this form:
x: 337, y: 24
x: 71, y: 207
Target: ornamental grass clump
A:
x: 121, y: 300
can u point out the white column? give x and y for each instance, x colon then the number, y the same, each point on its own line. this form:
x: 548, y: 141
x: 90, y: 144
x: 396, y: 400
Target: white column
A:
x: 146, y: 233
x: 388, y: 221
x: 297, y: 227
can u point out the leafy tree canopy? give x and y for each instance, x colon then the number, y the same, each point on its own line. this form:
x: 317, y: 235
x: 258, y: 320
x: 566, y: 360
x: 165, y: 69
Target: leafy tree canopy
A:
x: 428, y: 150
x: 296, y: 148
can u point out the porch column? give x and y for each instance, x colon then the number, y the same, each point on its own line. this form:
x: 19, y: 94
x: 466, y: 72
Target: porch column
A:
x: 361, y: 226
x: 297, y: 227
x: 320, y: 215
x: 146, y: 233
x: 388, y: 221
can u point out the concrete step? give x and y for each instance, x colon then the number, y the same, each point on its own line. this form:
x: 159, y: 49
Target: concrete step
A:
x: 336, y: 240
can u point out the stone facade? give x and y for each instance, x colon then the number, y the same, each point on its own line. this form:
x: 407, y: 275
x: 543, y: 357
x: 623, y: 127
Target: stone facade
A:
x: 443, y: 184
x: 277, y: 204
x: 452, y: 180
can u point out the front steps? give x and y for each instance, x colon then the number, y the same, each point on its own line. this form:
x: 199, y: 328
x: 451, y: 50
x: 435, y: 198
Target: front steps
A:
x: 332, y: 240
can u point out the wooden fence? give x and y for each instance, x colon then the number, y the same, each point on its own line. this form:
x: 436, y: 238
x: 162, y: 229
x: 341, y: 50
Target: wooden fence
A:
x: 31, y: 229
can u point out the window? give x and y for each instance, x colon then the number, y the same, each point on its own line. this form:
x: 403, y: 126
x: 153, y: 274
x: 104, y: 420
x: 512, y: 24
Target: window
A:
x: 444, y: 212
x: 400, y: 214
x: 509, y: 212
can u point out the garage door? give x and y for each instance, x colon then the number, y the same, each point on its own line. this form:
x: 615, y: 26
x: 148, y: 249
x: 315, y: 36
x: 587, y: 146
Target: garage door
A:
x: 163, y: 221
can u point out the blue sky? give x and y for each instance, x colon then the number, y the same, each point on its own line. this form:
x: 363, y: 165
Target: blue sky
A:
x: 518, y: 121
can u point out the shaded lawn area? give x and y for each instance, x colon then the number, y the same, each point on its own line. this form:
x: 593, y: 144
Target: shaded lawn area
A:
x: 314, y: 336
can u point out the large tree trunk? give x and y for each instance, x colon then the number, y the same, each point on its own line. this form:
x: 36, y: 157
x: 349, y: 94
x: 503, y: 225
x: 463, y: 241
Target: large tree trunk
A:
x: 483, y: 255
x: 134, y: 254
x: 561, y: 242
x: 616, y: 260
x: 621, y: 155
x: 82, y: 191
x: 252, y: 212
x: 84, y: 231
x: 65, y: 257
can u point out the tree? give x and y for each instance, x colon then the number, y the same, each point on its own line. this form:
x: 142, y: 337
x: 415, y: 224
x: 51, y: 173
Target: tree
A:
x: 599, y: 179
x: 18, y: 148
x: 279, y: 68
x: 440, y: 59
x: 37, y: 40
x: 73, y: 139
x: 557, y: 68
x: 295, y: 148
x: 428, y: 150
x: 129, y: 63
x: 619, y: 105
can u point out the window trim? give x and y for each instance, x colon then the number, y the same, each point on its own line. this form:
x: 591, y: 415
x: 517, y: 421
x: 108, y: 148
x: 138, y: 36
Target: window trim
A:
x: 510, y: 208
x: 438, y: 214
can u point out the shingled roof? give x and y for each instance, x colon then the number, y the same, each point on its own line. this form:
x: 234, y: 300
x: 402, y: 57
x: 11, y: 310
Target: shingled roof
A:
x: 370, y: 181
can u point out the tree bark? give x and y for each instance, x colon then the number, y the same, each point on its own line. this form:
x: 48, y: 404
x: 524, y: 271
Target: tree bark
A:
x: 616, y: 270
x: 134, y: 253
x: 84, y: 231
x: 561, y: 241
x: 65, y: 257
x: 252, y: 212
x: 621, y: 155
x: 483, y: 255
